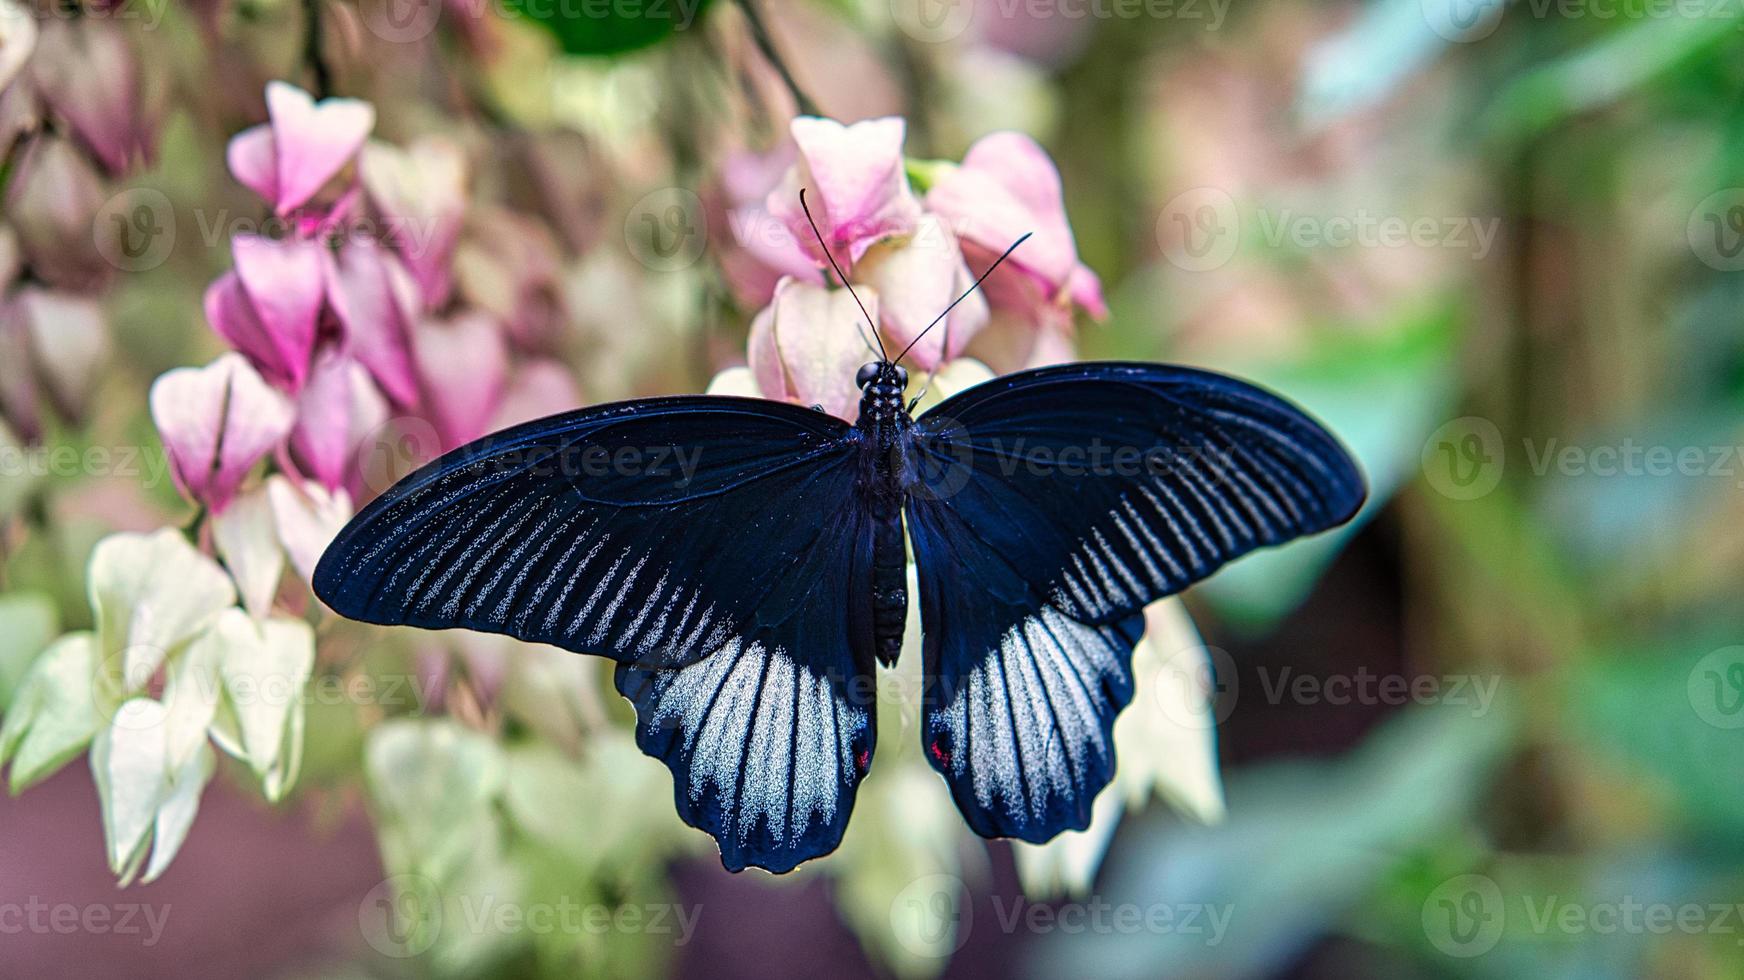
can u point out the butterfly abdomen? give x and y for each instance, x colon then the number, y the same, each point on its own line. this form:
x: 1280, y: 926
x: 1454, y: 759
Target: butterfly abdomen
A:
x: 889, y: 586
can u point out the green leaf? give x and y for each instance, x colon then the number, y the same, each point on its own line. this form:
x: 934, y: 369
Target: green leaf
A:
x: 1304, y: 843
x: 1409, y: 370
x: 1637, y: 53
x: 54, y: 715
x: 607, y: 809
x: 28, y: 624
x: 434, y: 783
x: 599, y: 27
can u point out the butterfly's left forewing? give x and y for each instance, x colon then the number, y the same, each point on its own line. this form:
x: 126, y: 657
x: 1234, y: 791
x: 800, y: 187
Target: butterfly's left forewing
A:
x: 1049, y: 507
x: 694, y: 540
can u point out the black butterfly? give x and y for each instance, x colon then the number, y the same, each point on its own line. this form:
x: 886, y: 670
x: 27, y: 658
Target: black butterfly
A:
x: 747, y: 594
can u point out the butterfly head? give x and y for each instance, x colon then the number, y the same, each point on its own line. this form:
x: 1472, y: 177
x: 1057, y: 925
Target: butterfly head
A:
x: 882, y: 374
x: 881, y: 385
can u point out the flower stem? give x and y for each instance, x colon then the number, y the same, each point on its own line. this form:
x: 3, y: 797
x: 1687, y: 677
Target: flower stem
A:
x: 318, y: 67
x: 760, y: 36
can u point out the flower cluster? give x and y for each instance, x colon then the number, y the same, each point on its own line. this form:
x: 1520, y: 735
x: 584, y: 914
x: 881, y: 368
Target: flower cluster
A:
x: 908, y: 256
x: 78, y: 113
x: 349, y: 325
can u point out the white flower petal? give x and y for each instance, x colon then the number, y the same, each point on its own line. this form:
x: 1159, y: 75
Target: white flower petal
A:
x: 54, y: 715
x: 194, y: 688
x: 176, y: 815
x: 265, y: 668
x: 150, y: 593
x: 248, y: 540
x: 735, y: 381
x: 308, y: 517
x: 1170, y: 752
x: 127, y: 762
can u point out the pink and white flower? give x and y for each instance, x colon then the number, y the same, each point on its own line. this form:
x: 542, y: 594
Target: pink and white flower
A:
x: 216, y: 423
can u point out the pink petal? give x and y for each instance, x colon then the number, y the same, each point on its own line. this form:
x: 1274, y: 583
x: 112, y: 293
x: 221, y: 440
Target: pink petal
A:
x: 18, y: 36
x: 335, y: 409
x: 767, y: 370
x: 1084, y: 287
x: 308, y: 517
x: 313, y: 141
x: 18, y: 394
x: 1008, y: 186
x: 88, y: 74
x: 284, y: 286
x: 765, y: 251
x: 540, y: 388
x: 806, y: 346
x: 69, y: 340
x: 855, y: 184
x: 421, y: 193
x: 253, y: 161
x: 916, y: 278
x: 231, y: 314
x: 216, y: 422
x: 52, y: 199
x: 375, y: 302
x: 463, y: 363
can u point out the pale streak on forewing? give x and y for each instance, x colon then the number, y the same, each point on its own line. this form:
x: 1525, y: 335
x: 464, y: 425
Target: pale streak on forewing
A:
x: 542, y: 535
x: 555, y: 610
x: 610, y: 612
x: 522, y: 510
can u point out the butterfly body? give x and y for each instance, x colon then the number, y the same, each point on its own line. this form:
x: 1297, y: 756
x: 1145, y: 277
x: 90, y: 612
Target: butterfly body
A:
x: 747, y: 599
x: 884, y: 431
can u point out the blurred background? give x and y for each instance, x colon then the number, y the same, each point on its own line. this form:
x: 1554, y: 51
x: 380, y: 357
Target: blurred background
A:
x: 1494, y: 729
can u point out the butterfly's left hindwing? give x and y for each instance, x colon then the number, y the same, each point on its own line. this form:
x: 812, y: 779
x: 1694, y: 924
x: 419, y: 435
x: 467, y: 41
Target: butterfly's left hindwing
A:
x: 697, y: 542
x: 1047, y: 509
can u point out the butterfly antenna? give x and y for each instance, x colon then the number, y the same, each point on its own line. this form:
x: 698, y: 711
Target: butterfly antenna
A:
x: 882, y: 355
x: 972, y: 287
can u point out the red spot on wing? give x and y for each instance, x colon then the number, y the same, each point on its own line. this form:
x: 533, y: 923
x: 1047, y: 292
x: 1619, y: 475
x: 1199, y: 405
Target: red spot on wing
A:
x: 939, y: 753
x: 863, y: 760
